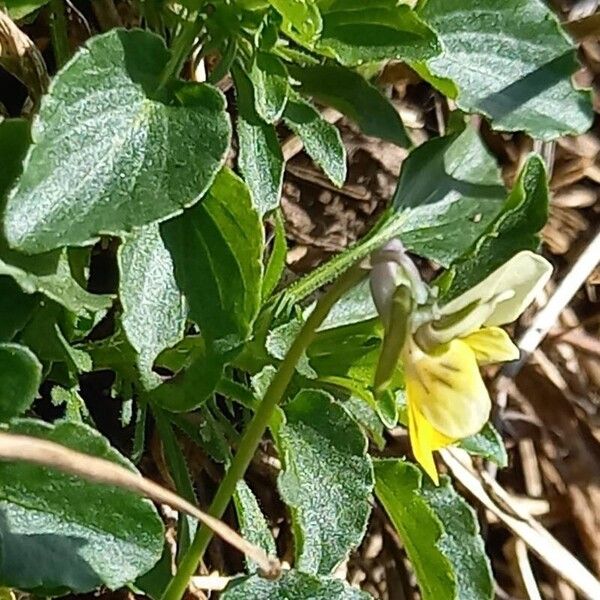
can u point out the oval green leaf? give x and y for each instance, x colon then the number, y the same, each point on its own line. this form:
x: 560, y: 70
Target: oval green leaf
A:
x: 112, y: 149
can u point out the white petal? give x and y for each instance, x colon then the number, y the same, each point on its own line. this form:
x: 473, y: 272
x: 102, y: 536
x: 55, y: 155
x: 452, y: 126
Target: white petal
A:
x: 499, y: 299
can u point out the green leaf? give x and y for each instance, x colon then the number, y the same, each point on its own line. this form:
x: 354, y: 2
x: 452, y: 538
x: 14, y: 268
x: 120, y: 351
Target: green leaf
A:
x: 253, y: 525
x: 510, y: 61
x: 270, y: 83
x: 516, y: 228
x: 461, y: 542
x: 359, y: 33
x: 398, y: 488
x: 20, y: 378
x: 354, y: 307
x: 17, y: 9
x: 54, y: 280
x: 276, y: 263
x: 327, y: 480
x: 15, y: 308
x: 354, y: 96
x: 450, y: 188
x: 14, y: 140
x: 279, y: 341
x: 154, y: 309
x: 432, y: 218
x: 300, y: 17
x: 178, y: 469
x: 193, y: 385
x: 217, y: 251
x: 438, y: 529
x: 292, y: 585
x: 488, y: 444
x: 76, y: 535
x: 112, y: 149
x: 260, y: 158
x: 322, y: 141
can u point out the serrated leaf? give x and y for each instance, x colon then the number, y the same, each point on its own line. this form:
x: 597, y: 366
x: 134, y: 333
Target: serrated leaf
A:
x: 154, y: 310
x: 260, y: 158
x: 398, y: 488
x: 322, y: 140
x: 461, y: 542
x: 20, y: 378
x: 327, y: 480
x: 358, y: 34
x: 112, y: 149
x: 354, y: 96
x: 76, y: 535
x: 487, y: 444
x: 450, y: 189
x: 516, y: 228
x: 270, y: 82
x: 292, y: 585
x: 510, y: 61
x: 253, y: 524
x: 217, y: 252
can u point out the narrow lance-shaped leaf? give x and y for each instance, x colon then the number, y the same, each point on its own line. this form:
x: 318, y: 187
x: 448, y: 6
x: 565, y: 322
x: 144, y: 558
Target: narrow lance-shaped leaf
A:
x: 439, y: 530
x: 270, y: 83
x: 217, y: 252
x: 252, y: 522
x: 509, y: 60
x: 351, y: 94
x: 397, y: 486
x: 260, y: 158
x: 112, y: 149
x: 322, y: 140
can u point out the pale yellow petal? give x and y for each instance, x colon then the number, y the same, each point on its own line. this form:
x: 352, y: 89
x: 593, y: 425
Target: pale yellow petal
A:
x: 424, y: 439
x: 502, y: 296
x: 447, y: 388
x: 491, y: 345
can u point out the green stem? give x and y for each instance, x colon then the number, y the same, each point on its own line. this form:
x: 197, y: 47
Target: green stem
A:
x: 59, y: 33
x: 182, y: 46
x: 256, y: 428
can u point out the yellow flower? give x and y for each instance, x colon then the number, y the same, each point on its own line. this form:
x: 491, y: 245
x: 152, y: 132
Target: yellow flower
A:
x: 444, y: 347
x: 446, y: 397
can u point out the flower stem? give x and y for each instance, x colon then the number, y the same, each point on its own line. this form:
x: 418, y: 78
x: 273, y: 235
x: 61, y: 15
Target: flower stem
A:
x: 59, y: 33
x: 256, y: 428
x: 182, y: 46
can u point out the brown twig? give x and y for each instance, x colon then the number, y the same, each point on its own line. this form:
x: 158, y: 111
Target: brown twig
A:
x: 98, y: 470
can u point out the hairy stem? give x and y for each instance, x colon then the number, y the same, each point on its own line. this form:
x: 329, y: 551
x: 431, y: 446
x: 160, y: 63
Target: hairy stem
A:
x: 256, y: 428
